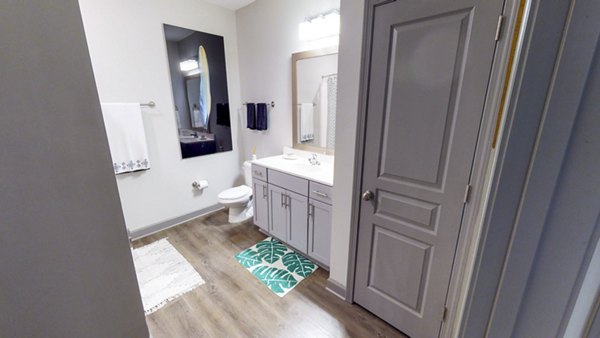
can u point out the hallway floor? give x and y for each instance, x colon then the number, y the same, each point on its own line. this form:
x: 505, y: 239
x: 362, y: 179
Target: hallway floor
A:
x: 233, y: 303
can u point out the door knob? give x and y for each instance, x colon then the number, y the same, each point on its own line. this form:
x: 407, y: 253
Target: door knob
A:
x: 368, y: 195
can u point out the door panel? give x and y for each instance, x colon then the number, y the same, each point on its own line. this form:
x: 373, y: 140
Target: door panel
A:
x: 319, y: 232
x: 429, y: 68
x: 405, y: 209
x: 261, y: 204
x: 278, y: 212
x: 399, y: 283
x: 298, y: 225
x: 414, y: 145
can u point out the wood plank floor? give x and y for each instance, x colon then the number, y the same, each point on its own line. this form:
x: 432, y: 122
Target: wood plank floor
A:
x: 233, y: 303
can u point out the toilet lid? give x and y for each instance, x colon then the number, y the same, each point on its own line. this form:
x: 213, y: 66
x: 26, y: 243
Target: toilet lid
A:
x: 235, y: 193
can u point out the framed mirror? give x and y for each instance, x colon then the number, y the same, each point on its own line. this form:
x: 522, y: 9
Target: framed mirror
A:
x: 199, y: 83
x: 314, y: 99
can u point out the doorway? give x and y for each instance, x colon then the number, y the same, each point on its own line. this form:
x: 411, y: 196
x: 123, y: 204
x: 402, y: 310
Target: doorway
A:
x: 422, y: 119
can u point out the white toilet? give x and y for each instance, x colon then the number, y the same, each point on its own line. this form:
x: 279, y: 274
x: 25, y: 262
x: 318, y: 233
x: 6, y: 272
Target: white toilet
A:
x: 239, y: 199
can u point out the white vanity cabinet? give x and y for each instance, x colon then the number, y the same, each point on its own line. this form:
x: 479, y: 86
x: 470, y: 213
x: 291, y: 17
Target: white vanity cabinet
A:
x: 298, y: 210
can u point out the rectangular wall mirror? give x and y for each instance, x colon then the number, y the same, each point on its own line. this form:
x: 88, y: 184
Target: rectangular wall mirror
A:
x: 199, y: 82
x: 314, y: 99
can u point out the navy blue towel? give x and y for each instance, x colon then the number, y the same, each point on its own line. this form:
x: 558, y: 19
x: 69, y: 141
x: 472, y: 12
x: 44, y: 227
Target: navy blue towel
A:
x: 223, y: 118
x: 251, y: 115
x: 261, y: 116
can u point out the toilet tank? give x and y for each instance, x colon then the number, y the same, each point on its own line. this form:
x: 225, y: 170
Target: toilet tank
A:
x: 247, y: 173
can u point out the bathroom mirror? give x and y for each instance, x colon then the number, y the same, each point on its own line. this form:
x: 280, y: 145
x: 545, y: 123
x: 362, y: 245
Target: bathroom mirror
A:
x: 199, y: 83
x: 314, y: 99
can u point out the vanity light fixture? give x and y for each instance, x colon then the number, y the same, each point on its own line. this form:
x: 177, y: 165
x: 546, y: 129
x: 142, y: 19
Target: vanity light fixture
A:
x: 188, y: 65
x: 322, y: 26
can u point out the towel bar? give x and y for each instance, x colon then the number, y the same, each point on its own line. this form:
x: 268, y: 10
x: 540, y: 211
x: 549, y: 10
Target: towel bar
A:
x: 272, y: 104
x: 150, y: 104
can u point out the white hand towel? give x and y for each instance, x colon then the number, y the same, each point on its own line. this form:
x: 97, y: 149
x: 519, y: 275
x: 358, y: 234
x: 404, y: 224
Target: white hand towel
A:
x: 126, y: 136
x: 307, y: 124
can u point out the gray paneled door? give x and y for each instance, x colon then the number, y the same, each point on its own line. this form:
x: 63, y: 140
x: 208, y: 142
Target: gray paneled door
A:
x: 429, y: 67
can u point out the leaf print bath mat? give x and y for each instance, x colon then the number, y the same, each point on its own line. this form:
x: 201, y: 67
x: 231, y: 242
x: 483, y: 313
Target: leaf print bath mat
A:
x: 277, y: 266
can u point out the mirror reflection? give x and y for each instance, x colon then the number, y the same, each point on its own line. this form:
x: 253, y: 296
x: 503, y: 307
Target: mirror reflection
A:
x: 315, y: 99
x: 199, y: 82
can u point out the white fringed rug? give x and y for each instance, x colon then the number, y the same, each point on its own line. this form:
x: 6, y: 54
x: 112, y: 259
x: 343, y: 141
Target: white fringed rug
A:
x: 163, y: 274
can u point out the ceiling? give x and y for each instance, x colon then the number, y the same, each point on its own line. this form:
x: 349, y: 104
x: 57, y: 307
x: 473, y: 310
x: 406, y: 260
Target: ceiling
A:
x: 231, y: 4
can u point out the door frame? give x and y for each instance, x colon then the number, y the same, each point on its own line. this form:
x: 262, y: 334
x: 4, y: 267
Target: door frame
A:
x: 483, y: 155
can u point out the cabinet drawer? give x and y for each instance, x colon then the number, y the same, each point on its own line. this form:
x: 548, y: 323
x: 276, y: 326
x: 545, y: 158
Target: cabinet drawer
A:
x: 259, y: 172
x: 289, y: 182
x: 320, y: 192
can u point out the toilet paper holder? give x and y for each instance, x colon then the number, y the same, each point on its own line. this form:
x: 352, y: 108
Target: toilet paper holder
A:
x: 200, y: 185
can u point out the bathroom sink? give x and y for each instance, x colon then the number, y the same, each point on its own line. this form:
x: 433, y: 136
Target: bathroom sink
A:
x: 306, y: 167
x: 301, y: 167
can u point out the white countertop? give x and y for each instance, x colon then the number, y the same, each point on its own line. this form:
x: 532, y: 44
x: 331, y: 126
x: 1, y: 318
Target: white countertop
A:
x: 300, y: 167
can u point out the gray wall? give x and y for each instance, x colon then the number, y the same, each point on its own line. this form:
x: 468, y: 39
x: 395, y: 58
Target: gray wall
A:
x: 66, y: 267
x: 569, y: 229
x: 542, y: 227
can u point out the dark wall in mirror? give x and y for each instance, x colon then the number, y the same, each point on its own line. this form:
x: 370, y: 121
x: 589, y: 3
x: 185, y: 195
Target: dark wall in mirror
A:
x: 199, y: 82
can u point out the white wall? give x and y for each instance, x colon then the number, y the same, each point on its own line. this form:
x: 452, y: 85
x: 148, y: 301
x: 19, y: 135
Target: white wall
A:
x: 129, y: 58
x: 268, y: 35
x: 352, y: 12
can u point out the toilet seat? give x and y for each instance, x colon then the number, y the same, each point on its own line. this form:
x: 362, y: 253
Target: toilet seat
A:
x: 238, y: 194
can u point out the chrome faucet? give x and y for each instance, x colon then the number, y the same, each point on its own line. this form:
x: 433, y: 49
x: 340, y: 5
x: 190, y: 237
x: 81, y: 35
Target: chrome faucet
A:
x: 313, y: 160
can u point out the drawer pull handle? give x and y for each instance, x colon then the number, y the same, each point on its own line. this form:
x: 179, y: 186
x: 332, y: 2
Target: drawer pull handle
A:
x: 258, y: 172
x: 285, y: 201
x: 320, y: 193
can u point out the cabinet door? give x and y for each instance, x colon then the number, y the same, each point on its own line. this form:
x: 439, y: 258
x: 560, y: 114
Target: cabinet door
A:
x: 319, y: 231
x: 278, y: 212
x: 260, y: 195
x: 297, y: 232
